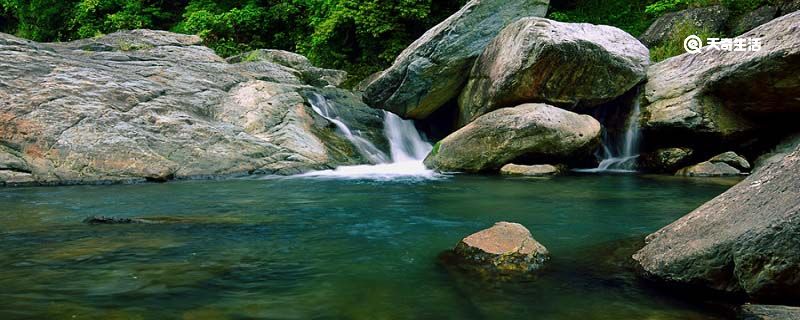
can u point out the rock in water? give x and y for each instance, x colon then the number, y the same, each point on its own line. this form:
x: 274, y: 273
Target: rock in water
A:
x: 665, y: 159
x: 719, y: 94
x: 538, y: 132
x: 432, y: 70
x: 747, y: 240
x: 724, y: 164
x: 768, y: 312
x: 569, y: 65
x: 153, y: 105
x: 532, y: 170
x: 505, y: 248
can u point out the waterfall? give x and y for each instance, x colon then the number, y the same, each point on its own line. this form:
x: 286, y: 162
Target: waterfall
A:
x: 406, y: 144
x: 620, y: 154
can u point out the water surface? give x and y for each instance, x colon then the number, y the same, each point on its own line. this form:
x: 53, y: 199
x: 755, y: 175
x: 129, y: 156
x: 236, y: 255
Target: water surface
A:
x: 330, y: 248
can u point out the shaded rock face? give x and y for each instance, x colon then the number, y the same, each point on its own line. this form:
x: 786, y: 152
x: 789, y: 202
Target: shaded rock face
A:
x: 505, y: 248
x: 538, y: 132
x: 768, y: 312
x: 531, y: 170
x: 724, y: 164
x: 665, y: 159
x: 784, y: 147
x: 745, y: 241
x: 298, y: 65
x: 433, y: 69
x: 755, y: 18
x: 713, y: 19
x: 725, y: 95
x: 569, y: 65
x: 153, y: 105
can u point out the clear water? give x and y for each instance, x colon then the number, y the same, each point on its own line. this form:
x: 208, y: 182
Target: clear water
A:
x: 315, y: 248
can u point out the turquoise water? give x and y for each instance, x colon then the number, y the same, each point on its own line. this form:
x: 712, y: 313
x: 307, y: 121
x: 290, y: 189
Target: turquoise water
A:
x: 311, y: 248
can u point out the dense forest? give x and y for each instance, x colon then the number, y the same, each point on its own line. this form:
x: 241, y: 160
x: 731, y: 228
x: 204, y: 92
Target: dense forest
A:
x: 360, y: 36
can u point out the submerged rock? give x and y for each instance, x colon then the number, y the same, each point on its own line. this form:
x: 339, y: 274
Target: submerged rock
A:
x: 113, y: 220
x: 745, y: 241
x: 569, y: 65
x: 537, y: 132
x: 720, y: 95
x: 724, y: 164
x: 768, y: 312
x: 529, y: 170
x: 148, y: 105
x: 505, y: 248
x: 432, y: 70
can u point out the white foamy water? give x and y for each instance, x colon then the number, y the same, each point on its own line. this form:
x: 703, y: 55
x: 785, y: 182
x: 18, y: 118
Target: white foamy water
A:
x: 623, y: 160
x: 408, y: 149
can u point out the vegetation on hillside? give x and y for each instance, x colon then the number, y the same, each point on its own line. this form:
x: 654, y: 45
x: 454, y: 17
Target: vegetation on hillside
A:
x: 360, y: 36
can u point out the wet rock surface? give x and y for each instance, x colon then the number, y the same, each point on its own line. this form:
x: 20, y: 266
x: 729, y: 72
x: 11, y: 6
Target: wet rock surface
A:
x: 504, y: 249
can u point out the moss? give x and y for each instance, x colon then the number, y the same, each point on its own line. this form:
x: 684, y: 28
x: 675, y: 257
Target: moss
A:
x: 131, y: 46
x: 436, y: 148
x: 673, y: 46
x: 252, y: 56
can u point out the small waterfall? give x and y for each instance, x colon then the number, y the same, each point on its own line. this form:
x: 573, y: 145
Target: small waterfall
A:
x: 365, y: 148
x: 407, y: 147
x: 620, y: 154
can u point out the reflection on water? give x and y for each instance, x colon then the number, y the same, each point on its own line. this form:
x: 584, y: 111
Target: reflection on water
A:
x: 327, y: 248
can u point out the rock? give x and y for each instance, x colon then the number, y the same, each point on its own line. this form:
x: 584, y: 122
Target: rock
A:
x: 665, y: 159
x: 154, y: 106
x: 755, y: 18
x: 768, y: 312
x: 538, y: 132
x: 732, y: 159
x: 745, y: 241
x: 723, y: 164
x: 433, y: 69
x: 569, y: 65
x: 777, y: 153
x: 505, y: 248
x: 363, y: 84
x: 15, y: 178
x: 713, y: 19
x: 113, y: 220
x: 709, y: 169
x: 789, y: 6
x: 532, y: 170
x: 722, y: 96
x: 297, y: 65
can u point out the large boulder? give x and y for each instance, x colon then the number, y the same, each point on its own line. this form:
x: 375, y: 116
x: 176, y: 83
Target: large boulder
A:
x: 745, y: 241
x: 776, y: 154
x: 505, y: 248
x: 712, y: 19
x: 754, y: 18
x: 153, y: 105
x: 569, y: 65
x: 665, y: 159
x: 536, y: 133
x: 432, y: 70
x: 768, y: 312
x: 722, y: 96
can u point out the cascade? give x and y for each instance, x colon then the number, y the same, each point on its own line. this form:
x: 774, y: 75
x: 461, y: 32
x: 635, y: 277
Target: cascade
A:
x: 619, y: 154
x: 406, y: 144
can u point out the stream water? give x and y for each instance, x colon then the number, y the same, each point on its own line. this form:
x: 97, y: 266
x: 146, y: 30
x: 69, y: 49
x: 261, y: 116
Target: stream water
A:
x: 322, y: 248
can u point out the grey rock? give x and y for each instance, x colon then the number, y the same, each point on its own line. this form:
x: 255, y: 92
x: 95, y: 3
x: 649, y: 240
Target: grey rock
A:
x: 569, y: 65
x: 784, y: 147
x: 433, y: 69
x: 539, y: 132
x: 755, y: 18
x: 296, y: 64
x: 709, y: 169
x: 726, y: 95
x: 768, y: 312
x: 712, y: 19
x: 530, y: 170
x: 732, y: 159
x: 744, y: 241
x: 152, y: 105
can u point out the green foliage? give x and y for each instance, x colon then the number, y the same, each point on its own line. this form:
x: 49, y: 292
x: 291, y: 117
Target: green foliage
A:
x: 628, y: 15
x: 674, y: 45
